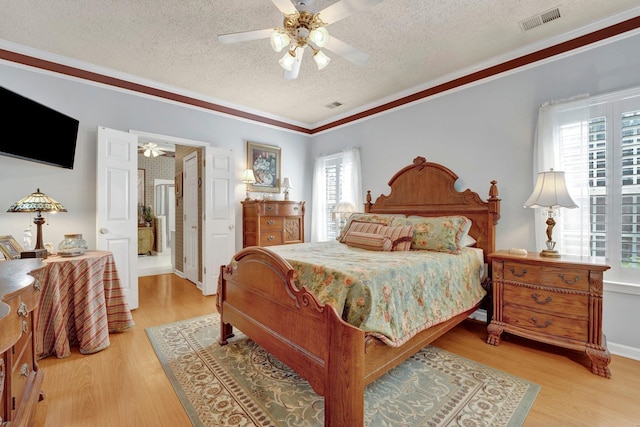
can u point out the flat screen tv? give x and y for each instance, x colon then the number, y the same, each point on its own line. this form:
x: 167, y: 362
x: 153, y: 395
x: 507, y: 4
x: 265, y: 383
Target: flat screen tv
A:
x: 32, y: 131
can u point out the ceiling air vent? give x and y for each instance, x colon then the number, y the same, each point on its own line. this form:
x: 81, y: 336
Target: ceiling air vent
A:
x: 539, y: 19
x: 333, y: 105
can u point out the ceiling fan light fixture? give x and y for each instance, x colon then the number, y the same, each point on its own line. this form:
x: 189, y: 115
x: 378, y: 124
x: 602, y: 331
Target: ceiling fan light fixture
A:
x: 279, y: 40
x: 147, y: 153
x: 319, y: 36
x: 288, y: 60
x: 321, y: 59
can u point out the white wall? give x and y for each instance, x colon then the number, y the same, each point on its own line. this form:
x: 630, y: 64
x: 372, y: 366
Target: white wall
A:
x: 485, y: 132
x: 97, y: 106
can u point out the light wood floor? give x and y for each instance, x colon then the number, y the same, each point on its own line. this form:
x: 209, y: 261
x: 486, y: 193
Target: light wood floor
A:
x: 125, y: 385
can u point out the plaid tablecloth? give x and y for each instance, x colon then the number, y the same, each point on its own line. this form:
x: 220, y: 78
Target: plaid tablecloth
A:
x: 80, y: 304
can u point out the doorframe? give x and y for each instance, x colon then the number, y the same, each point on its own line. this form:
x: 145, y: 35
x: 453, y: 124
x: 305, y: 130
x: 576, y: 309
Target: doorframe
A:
x: 176, y: 141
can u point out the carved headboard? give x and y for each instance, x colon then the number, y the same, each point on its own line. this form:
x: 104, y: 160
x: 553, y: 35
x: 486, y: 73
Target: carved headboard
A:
x: 427, y: 189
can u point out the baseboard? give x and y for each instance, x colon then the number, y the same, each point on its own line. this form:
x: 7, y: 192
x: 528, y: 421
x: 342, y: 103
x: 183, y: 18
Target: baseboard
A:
x: 624, y: 350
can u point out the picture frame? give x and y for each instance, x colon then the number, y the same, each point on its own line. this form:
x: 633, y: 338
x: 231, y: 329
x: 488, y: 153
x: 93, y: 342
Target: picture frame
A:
x: 264, y: 160
x: 10, y: 247
x: 177, y: 184
x: 141, y: 183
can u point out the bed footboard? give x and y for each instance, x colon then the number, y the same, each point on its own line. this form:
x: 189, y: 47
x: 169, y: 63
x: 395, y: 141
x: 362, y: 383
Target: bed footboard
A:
x: 257, y: 293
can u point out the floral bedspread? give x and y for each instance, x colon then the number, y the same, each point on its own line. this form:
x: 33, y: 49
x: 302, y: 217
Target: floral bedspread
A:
x: 391, y: 295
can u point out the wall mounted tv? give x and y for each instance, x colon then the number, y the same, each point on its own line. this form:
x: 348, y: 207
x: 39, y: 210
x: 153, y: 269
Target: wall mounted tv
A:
x: 32, y: 131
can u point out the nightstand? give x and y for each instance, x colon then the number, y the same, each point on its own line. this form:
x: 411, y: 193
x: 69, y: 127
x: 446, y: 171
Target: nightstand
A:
x: 552, y: 300
x: 272, y: 222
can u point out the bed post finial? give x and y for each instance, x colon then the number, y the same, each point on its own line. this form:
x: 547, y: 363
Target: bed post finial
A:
x: 368, y: 204
x: 494, y: 202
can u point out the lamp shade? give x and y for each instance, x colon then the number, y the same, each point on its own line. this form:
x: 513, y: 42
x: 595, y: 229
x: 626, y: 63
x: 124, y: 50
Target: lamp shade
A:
x: 319, y: 36
x: 37, y: 202
x: 288, y: 60
x: 248, y: 177
x: 344, y: 208
x: 550, y: 192
x: 279, y: 40
x: 321, y: 59
x: 286, y: 184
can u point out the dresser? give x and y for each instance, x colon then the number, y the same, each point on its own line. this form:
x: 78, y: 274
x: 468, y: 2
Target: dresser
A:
x: 552, y: 300
x: 272, y: 222
x: 20, y: 379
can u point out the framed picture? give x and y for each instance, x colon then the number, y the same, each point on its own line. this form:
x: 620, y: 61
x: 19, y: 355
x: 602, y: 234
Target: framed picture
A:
x: 141, y: 196
x: 9, y: 247
x: 265, y: 162
x: 177, y: 184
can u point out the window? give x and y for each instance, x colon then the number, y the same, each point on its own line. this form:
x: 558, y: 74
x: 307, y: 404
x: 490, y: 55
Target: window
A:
x: 336, y: 179
x: 610, y: 167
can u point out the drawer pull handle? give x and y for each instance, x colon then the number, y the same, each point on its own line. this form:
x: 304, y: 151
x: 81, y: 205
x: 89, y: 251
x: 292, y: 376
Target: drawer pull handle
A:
x: 37, y: 285
x: 24, y: 370
x: 25, y: 327
x: 270, y: 238
x: 271, y: 222
x: 295, y: 208
x: 513, y: 271
x: 23, y: 311
x: 269, y: 208
x: 541, y: 326
x: 575, y: 280
x: 536, y: 298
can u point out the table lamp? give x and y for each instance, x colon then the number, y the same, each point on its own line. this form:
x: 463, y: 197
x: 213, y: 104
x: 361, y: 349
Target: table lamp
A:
x: 248, y: 178
x: 550, y: 192
x: 37, y: 202
x: 342, y: 211
x: 286, y: 186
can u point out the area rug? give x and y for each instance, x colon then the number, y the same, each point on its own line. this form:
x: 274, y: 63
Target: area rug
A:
x: 240, y: 384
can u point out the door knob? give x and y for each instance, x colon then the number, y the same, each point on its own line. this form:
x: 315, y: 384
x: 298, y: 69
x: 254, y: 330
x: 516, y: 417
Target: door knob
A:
x: 231, y: 226
x: 104, y: 230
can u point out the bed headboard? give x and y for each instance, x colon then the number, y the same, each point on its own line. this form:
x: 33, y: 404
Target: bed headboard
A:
x: 427, y: 189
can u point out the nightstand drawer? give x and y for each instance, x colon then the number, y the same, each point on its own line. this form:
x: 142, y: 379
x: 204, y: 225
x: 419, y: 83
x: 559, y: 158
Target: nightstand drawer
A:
x: 571, y: 305
x: 545, y: 323
x: 567, y: 278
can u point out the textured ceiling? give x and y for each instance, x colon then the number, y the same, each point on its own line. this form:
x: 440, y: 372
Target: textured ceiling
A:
x: 412, y: 44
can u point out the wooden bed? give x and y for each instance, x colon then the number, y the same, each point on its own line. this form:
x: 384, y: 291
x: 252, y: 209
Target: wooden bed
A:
x: 259, y: 295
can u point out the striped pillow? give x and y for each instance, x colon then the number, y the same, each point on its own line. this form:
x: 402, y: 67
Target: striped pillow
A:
x: 368, y: 241
x: 361, y: 227
x: 400, y: 236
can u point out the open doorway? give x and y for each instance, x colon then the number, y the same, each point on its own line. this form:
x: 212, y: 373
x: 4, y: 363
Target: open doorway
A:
x: 156, y: 206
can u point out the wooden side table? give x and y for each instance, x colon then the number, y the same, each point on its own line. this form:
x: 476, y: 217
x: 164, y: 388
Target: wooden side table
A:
x: 272, y: 222
x: 552, y: 300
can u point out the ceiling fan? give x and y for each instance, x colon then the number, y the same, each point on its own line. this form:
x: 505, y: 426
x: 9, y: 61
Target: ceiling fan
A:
x: 302, y: 28
x: 150, y: 149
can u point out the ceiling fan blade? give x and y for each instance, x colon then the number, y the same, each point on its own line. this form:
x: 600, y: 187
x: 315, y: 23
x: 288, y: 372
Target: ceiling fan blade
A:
x: 347, y: 51
x: 293, y: 74
x: 285, y: 6
x: 344, y: 8
x: 245, y: 36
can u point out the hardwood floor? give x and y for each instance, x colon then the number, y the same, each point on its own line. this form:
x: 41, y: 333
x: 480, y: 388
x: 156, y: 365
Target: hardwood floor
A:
x: 125, y: 385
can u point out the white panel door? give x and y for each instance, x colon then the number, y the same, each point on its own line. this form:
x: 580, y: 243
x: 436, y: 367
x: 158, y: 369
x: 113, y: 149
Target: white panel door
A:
x: 191, y: 219
x: 219, y: 224
x: 116, y: 205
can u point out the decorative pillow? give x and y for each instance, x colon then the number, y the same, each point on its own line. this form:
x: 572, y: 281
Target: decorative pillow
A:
x: 400, y: 236
x: 442, y: 234
x: 369, y: 241
x: 384, y: 219
x: 361, y: 227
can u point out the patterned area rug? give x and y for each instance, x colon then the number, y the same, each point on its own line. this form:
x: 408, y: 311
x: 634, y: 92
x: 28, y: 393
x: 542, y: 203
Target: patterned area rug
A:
x: 240, y: 384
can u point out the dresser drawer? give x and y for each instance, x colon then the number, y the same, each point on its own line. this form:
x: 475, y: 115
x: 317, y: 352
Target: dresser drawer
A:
x: 546, y: 323
x: 281, y: 209
x: 571, y: 305
x: 268, y: 223
x: 567, y: 278
x: 270, y: 239
x: 22, y: 370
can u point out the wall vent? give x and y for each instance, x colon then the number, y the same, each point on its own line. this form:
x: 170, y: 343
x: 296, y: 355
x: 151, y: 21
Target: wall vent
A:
x: 333, y: 105
x: 539, y: 19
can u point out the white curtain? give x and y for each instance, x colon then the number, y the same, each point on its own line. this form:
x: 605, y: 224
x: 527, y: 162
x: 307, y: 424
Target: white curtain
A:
x: 351, y: 189
x: 562, y: 144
